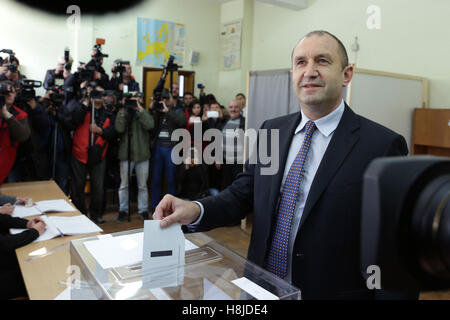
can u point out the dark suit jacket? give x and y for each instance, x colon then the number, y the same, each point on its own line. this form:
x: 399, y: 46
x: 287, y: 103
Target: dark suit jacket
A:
x: 325, y: 262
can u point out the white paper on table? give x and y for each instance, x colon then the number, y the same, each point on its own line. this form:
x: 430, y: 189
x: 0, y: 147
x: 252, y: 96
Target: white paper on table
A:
x: 50, y: 230
x: 60, y: 226
x: 23, y: 212
x: 75, y: 225
x: 59, y: 205
x: 41, y: 207
x: 112, y: 252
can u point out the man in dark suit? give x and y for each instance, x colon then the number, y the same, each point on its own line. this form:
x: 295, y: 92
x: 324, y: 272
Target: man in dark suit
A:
x: 306, y: 224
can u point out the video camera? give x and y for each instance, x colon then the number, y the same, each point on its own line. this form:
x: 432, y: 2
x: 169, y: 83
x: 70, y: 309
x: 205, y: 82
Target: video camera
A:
x: 119, y: 66
x: 98, y: 51
x: 67, y: 63
x: 171, y: 65
x: 25, y: 89
x: 129, y: 102
x: 57, y: 97
x: 405, y: 222
x: 158, y: 97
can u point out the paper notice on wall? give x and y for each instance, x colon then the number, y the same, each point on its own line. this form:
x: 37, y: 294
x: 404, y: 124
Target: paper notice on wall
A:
x: 230, y: 45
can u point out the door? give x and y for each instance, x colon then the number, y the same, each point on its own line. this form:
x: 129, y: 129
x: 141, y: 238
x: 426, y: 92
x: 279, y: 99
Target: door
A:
x: 151, y: 77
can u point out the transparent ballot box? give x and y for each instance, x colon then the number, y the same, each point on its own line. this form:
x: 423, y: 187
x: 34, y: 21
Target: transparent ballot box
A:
x: 209, y: 272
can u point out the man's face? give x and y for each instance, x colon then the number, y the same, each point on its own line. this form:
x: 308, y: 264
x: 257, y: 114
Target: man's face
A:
x: 234, y: 109
x: 175, y: 90
x: 241, y: 100
x: 127, y: 72
x: 317, y: 72
x: 10, y: 97
x: 188, y: 98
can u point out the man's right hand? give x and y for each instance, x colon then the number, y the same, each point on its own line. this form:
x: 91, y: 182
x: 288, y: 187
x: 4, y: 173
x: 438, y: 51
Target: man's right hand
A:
x: 172, y: 209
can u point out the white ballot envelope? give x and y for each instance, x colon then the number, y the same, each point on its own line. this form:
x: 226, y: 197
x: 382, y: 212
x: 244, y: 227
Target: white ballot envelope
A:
x: 163, y: 255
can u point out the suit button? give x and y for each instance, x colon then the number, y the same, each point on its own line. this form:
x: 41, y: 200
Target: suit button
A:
x: 299, y: 256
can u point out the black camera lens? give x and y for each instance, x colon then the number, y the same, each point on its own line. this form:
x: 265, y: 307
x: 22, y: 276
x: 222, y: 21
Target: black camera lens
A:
x: 430, y: 229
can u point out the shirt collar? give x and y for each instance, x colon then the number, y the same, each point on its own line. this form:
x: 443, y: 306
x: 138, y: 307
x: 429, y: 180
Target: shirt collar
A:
x: 327, y: 124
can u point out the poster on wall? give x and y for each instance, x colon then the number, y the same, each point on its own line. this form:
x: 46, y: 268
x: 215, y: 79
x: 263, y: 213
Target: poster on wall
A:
x: 157, y: 40
x: 230, y: 45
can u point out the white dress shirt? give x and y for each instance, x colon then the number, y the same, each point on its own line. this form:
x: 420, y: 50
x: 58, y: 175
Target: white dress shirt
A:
x: 319, y: 143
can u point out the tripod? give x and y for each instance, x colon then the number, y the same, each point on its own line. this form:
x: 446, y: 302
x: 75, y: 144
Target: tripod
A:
x: 130, y: 116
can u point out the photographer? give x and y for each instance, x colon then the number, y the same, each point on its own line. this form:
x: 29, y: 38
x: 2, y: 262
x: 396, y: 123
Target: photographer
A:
x: 94, y: 127
x: 55, y: 138
x: 61, y: 72
x: 10, y: 69
x: 168, y: 117
x: 31, y: 160
x: 96, y: 63
x: 123, y: 68
x: 13, y: 128
x: 132, y: 116
x: 112, y: 165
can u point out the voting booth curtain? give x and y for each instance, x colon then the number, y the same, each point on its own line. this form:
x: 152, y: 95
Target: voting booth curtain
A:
x: 270, y: 96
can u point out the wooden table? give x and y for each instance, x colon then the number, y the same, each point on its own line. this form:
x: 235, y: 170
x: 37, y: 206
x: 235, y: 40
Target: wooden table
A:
x: 42, y: 276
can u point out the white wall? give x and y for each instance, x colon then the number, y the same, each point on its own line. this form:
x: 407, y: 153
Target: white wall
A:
x: 38, y: 39
x: 413, y: 38
x: 201, y: 20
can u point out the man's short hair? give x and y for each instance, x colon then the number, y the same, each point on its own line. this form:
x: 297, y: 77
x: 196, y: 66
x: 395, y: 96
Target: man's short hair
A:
x: 341, y: 47
x: 241, y: 94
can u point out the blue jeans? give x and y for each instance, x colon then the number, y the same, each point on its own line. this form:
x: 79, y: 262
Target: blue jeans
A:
x: 162, y: 162
x: 141, y: 168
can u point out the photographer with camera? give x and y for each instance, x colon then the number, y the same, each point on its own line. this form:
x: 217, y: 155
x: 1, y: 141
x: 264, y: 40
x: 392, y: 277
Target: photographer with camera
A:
x: 94, y: 129
x: 168, y: 116
x: 95, y: 64
x: 13, y: 128
x: 60, y: 73
x: 10, y: 68
x: 31, y: 160
x: 123, y: 68
x: 56, y: 140
x: 133, y: 124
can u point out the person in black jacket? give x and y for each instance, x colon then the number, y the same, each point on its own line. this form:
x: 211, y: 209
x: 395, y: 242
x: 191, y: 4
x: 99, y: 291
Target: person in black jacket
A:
x: 193, y: 178
x: 125, y: 78
x: 11, y: 280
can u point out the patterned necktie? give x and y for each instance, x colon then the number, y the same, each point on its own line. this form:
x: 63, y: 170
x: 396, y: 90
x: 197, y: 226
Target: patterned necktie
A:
x: 278, y: 255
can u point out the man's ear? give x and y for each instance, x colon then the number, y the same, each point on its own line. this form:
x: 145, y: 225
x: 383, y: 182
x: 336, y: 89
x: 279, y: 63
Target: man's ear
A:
x: 348, y: 75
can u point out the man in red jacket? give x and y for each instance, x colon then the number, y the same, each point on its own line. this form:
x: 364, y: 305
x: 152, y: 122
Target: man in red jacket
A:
x: 13, y: 129
x: 90, y: 143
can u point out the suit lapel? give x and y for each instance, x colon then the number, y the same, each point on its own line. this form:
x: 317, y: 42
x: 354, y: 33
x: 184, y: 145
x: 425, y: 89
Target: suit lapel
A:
x: 342, y: 142
x: 286, y: 134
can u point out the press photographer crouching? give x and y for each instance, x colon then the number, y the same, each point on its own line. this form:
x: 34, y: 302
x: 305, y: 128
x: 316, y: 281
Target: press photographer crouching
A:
x: 13, y: 128
x: 168, y: 117
x: 133, y: 124
x: 94, y: 129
